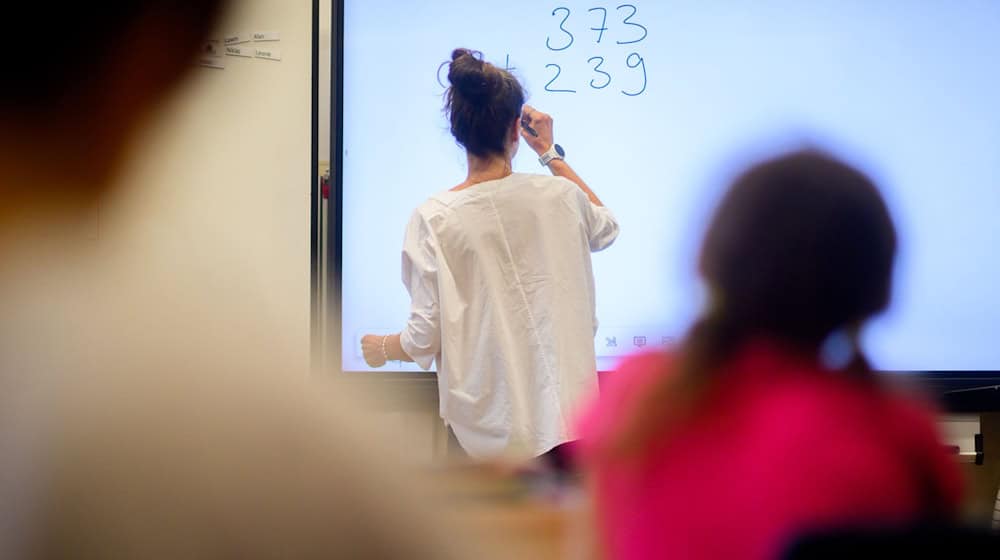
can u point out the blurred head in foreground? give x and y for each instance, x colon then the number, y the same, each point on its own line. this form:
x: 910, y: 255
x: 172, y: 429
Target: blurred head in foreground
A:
x: 137, y: 420
x: 799, y: 249
x: 96, y: 72
x: 749, y: 415
x: 224, y: 461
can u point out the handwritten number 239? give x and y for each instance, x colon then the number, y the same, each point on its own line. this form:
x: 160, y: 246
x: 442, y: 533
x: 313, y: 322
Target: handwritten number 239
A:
x: 602, y: 78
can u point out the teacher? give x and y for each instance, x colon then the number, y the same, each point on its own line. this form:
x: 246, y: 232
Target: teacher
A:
x: 499, y: 274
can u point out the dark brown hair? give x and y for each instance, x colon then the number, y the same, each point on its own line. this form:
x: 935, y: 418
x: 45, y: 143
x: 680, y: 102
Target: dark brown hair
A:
x: 800, y: 247
x: 482, y: 103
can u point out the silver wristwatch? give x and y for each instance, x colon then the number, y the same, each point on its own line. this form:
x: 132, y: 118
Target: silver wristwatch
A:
x: 555, y: 152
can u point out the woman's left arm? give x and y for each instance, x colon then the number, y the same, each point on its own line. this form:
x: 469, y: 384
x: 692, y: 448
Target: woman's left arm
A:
x: 420, y: 341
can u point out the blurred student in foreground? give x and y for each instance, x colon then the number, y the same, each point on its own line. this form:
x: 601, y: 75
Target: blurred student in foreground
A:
x: 767, y: 423
x: 140, y: 418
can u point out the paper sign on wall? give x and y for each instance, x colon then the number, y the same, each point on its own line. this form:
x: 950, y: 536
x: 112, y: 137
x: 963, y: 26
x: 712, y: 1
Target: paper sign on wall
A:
x: 267, y: 36
x: 211, y: 47
x: 269, y: 54
x: 240, y: 51
x: 237, y: 38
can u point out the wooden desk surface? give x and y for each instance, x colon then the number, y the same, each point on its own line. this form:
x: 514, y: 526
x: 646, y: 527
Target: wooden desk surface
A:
x: 525, y: 516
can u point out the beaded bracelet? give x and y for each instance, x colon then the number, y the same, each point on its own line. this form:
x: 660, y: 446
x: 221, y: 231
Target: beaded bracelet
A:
x: 385, y: 354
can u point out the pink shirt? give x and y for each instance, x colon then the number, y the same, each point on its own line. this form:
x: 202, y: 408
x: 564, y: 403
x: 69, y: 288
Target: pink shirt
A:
x: 780, y: 448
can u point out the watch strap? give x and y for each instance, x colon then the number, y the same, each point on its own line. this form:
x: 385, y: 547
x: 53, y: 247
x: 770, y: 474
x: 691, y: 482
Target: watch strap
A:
x: 550, y: 155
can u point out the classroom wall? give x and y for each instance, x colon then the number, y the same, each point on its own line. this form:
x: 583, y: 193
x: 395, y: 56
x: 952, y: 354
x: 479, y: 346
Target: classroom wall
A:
x: 221, y: 184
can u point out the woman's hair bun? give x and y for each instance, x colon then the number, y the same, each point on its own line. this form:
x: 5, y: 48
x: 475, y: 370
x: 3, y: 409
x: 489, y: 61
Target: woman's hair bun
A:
x: 473, y: 78
x: 482, y: 103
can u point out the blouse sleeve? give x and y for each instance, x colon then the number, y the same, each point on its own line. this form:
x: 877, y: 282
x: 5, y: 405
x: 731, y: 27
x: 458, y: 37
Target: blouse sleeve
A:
x: 421, y: 338
x: 602, y: 227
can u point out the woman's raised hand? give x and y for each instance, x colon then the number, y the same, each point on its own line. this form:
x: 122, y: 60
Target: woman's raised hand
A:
x: 542, y: 124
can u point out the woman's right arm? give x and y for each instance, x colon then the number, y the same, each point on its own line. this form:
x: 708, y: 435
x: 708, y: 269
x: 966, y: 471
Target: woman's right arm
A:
x: 560, y: 168
x: 602, y: 227
x: 541, y: 123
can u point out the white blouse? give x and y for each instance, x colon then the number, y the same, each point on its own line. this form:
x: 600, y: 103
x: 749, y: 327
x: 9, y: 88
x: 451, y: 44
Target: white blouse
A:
x: 502, y: 291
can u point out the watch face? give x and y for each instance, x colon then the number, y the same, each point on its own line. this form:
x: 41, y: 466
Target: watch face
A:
x: 560, y: 150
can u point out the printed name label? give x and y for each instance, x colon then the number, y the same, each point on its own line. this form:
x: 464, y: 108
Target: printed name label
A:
x: 267, y: 36
x: 237, y: 38
x: 239, y: 51
x: 269, y: 54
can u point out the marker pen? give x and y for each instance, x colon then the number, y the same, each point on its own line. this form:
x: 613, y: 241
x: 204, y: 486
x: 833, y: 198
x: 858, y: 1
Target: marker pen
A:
x: 525, y: 124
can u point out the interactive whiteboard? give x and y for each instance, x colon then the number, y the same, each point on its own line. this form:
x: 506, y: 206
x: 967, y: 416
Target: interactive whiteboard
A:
x: 658, y: 104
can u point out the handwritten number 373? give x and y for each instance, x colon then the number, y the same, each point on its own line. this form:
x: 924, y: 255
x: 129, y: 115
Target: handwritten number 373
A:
x: 567, y: 36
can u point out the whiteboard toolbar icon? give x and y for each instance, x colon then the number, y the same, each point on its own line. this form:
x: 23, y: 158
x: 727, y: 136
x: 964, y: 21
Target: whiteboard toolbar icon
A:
x: 639, y: 341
